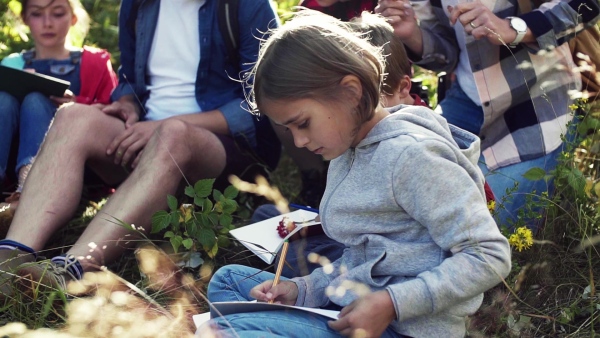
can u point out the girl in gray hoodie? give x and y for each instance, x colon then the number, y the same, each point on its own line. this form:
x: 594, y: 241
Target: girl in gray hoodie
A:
x: 404, y: 195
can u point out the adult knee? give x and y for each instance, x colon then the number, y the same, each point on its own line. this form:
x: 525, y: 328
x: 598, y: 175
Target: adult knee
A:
x: 74, y: 122
x: 171, y: 142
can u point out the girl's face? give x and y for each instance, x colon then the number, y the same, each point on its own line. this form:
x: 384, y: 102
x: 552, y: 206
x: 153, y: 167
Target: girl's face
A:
x: 326, y: 130
x: 49, y: 21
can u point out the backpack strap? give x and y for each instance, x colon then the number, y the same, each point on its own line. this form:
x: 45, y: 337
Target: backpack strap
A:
x: 75, y: 56
x: 227, y: 16
x: 28, y: 56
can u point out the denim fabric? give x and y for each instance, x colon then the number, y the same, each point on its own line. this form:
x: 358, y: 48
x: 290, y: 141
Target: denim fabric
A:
x: 214, y: 87
x: 32, y: 118
x: 458, y: 109
x: 296, y: 263
x: 234, y: 282
x: 509, y: 200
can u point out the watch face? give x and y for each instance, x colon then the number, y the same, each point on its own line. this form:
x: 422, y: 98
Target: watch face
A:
x: 518, y: 24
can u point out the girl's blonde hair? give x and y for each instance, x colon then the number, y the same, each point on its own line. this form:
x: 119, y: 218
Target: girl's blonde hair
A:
x: 309, y: 56
x: 78, y: 32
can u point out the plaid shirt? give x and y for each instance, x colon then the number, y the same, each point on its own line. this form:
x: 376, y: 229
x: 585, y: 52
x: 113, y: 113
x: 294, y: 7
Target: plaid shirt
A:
x: 524, y: 91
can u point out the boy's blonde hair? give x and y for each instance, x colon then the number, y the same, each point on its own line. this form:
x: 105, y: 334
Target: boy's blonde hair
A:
x: 81, y: 28
x: 381, y: 34
x: 309, y: 56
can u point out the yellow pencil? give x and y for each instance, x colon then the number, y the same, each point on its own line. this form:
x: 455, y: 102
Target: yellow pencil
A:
x: 280, y: 265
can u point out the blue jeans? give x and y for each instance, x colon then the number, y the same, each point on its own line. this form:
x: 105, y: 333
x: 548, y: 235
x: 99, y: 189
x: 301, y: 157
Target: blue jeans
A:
x: 296, y: 263
x: 234, y: 282
x: 31, y: 119
x: 458, y: 109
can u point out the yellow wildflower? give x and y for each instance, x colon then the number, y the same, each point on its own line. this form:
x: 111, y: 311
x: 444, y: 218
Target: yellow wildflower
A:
x: 522, y: 239
x: 491, y: 205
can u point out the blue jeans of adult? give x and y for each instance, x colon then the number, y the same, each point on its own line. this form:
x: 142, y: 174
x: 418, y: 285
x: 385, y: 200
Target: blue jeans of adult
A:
x: 508, y: 184
x: 31, y: 118
x: 297, y: 264
x: 234, y: 282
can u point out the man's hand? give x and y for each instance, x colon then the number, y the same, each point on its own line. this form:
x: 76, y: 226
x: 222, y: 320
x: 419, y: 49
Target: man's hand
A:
x: 368, y: 316
x: 400, y: 15
x: 285, y: 292
x: 482, y: 23
x: 124, y: 109
x: 131, y: 141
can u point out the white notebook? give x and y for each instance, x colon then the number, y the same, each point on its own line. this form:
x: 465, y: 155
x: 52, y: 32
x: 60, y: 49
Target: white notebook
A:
x: 262, y: 238
x: 226, y: 308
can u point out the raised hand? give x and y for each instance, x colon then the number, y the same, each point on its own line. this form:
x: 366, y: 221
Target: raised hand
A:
x: 480, y: 22
x: 400, y: 15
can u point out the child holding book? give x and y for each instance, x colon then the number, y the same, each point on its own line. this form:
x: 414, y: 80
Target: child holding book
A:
x: 88, y: 70
x: 404, y: 195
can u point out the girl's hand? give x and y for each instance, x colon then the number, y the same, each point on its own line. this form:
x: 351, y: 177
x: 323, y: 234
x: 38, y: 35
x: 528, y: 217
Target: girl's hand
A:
x: 285, y: 292
x: 480, y: 22
x: 368, y: 316
x: 400, y: 15
x: 68, y: 97
x: 131, y: 141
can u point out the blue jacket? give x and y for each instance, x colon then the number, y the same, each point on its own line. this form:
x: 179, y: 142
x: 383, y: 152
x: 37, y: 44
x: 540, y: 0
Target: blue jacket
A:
x: 215, y: 88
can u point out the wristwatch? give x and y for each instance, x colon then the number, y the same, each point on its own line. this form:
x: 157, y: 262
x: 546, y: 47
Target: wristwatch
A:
x: 520, y: 26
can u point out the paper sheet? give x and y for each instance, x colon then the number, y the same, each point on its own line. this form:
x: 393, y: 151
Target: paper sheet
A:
x: 262, y: 238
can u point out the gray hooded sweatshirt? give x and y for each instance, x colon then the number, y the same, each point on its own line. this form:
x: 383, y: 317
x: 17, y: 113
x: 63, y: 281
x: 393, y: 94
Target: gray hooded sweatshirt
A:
x: 409, y: 204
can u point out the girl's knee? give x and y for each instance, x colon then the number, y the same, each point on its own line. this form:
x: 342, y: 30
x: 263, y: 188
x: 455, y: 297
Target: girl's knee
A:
x: 9, y: 105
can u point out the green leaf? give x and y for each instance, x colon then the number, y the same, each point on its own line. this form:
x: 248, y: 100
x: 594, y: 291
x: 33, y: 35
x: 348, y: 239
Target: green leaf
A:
x: 206, y: 237
x: 176, y: 242
x: 217, y: 196
x: 174, y: 219
x: 169, y: 234
x: 576, y: 180
x: 192, y: 229
x: 535, y: 174
x: 189, y: 191
x: 231, y: 192
x: 213, y: 217
x: 199, y: 201
x: 187, y: 243
x: 204, y: 220
x: 172, y: 202
x: 219, y: 207
x: 225, y: 220
x: 229, y: 206
x: 207, y: 206
x: 160, y: 221
x: 204, y: 187
x: 223, y: 241
x: 212, y: 252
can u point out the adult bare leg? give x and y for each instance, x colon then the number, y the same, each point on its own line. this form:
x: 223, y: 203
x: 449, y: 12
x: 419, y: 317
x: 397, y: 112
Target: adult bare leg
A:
x: 176, y: 145
x: 53, y: 188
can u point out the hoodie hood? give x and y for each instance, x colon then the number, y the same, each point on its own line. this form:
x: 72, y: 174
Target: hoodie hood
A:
x: 419, y: 121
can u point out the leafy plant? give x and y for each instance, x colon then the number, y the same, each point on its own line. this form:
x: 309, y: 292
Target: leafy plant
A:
x: 202, y: 225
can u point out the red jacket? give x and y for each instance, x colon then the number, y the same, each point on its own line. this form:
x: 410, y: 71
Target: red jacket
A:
x: 342, y: 10
x: 97, y: 76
